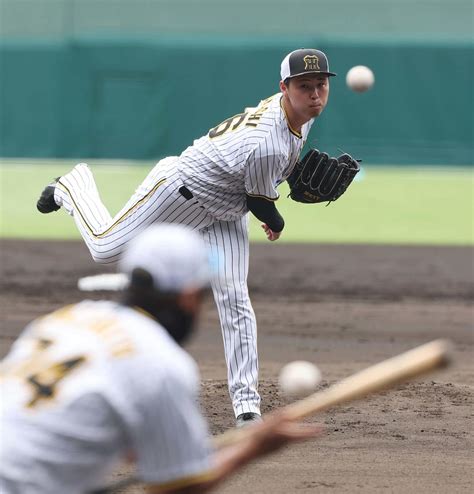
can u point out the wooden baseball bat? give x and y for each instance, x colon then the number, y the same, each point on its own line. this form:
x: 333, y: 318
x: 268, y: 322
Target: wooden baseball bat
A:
x: 375, y: 378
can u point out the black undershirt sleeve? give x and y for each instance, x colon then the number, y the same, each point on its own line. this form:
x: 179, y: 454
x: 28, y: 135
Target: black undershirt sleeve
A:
x: 266, y: 211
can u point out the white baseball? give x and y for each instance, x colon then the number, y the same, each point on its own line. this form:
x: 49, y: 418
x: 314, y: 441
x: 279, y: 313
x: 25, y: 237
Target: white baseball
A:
x: 360, y: 78
x: 298, y: 379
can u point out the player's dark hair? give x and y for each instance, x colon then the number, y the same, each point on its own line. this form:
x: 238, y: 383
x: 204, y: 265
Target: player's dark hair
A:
x: 141, y: 278
x: 162, y: 306
x: 142, y: 293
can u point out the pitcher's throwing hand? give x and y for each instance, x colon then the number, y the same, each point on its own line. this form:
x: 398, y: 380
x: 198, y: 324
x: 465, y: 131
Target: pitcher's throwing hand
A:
x: 271, y: 235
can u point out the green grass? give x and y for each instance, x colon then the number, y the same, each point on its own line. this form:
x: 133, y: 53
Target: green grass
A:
x: 396, y: 205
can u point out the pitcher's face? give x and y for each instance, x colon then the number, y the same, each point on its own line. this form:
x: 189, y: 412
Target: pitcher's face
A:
x: 307, y: 94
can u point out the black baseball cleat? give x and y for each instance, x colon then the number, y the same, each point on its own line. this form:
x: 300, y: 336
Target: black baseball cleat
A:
x: 247, y: 418
x: 46, y: 203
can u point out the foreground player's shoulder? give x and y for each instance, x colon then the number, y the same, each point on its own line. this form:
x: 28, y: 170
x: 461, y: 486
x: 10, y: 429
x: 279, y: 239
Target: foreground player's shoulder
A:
x: 157, y: 356
x: 175, y: 371
x: 158, y: 346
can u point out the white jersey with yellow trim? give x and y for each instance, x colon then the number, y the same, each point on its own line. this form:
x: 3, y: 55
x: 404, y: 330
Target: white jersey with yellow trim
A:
x: 85, y: 386
x: 249, y: 153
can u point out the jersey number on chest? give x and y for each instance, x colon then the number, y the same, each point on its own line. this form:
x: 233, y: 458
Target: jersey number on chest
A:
x: 250, y: 118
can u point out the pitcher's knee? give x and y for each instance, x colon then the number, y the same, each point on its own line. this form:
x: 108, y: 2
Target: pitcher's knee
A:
x: 103, y: 254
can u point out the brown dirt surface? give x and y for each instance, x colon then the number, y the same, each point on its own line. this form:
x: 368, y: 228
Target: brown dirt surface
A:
x: 342, y: 307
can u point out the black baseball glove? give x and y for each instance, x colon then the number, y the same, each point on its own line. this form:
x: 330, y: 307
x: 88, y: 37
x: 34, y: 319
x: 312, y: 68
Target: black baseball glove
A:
x: 319, y: 178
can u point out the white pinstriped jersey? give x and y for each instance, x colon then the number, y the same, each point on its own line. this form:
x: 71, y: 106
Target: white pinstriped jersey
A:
x: 85, y: 385
x: 250, y: 153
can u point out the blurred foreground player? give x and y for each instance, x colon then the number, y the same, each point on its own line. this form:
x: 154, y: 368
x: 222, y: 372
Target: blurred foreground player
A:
x: 98, y: 382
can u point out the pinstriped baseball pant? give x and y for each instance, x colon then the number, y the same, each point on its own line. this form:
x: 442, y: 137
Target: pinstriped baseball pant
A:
x: 158, y: 199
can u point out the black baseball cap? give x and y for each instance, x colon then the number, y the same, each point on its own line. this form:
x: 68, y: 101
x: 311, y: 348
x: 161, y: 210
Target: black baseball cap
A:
x: 305, y: 61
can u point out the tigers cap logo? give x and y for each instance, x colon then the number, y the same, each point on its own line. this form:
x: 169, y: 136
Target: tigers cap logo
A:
x: 304, y: 61
x: 311, y: 62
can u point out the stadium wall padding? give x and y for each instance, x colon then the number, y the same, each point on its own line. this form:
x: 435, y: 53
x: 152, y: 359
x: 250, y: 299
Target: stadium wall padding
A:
x: 145, y: 99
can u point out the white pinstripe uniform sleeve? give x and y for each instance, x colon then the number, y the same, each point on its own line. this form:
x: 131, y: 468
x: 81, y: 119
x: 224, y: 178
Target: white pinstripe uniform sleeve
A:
x: 171, y: 435
x: 262, y: 173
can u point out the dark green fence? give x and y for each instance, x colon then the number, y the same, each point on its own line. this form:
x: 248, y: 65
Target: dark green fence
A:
x: 150, y: 98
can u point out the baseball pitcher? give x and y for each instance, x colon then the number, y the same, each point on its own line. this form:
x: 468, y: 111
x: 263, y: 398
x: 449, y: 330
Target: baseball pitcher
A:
x: 211, y: 187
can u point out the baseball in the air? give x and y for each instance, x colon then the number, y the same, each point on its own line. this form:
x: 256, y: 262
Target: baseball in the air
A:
x: 298, y: 379
x: 360, y: 78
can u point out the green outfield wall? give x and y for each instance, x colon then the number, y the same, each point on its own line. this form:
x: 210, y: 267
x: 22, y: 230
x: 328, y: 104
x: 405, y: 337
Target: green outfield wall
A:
x: 102, y: 79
